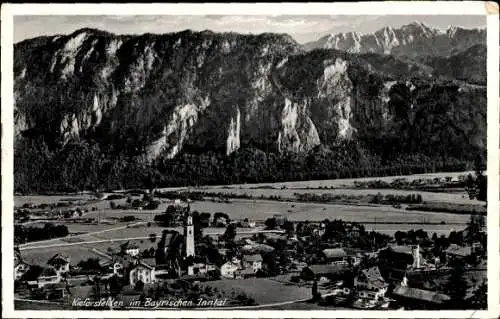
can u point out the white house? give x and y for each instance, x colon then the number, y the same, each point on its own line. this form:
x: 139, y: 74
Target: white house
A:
x: 132, y: 250
x: 20, y: 268
x: 252, y: 261
x: 49, y: 275
x: 143, y: 272
x: 229, y: 269
x: 370, y: 284
x: 60, y: 263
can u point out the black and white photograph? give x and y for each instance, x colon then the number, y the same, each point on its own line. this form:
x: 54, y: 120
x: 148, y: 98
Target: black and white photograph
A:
x: 298, y: 162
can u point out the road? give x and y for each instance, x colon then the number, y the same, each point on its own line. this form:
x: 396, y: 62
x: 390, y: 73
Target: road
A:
x: 36, y: 245
x: 79, y: 235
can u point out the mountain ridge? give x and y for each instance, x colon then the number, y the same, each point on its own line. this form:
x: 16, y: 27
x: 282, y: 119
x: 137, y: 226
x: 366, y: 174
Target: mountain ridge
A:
x: 163, y: 96
x: 412, y: 39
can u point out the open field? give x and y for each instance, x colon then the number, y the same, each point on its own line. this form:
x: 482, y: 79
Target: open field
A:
x: 458, y: 197
x: 380, y: 218
x: 335, y: 183
x: 261, y: 210
x: 262, y: 290
x: 46, y: 199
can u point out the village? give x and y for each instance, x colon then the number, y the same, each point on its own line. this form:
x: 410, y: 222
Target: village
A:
x: 338, y: 264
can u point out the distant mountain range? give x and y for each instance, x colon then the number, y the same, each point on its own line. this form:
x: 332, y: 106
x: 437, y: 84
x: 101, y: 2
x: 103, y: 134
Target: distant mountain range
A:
x: 412, y: 40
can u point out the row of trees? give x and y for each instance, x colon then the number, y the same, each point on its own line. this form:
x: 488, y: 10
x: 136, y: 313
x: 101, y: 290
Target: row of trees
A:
x: 88, y: 166
x: 24, y: 234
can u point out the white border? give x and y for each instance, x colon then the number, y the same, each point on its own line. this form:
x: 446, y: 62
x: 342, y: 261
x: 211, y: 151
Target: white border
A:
x: 367, y: 8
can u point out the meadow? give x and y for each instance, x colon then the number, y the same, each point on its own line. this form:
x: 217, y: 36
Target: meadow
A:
x: 380, y: 218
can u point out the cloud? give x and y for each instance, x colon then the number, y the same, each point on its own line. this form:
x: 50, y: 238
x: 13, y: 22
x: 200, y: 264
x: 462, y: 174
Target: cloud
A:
x: 301, y: 27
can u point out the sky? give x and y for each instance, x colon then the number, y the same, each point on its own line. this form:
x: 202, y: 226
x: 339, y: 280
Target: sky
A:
x: 303, y: 28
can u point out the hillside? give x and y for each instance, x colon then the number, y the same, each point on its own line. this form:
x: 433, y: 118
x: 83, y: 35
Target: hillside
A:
x: 160, y: 102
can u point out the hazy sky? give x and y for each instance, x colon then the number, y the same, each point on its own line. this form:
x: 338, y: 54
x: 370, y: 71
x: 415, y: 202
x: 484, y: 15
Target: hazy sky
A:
x: 302, y: 28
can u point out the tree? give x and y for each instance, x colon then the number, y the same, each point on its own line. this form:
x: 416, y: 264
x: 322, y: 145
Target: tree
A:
x: 478, y: 188
x: 400, y: 237
x: 152, y: 237
x: 479, y: 299
x: 315, y: 293
x: 115, y: 286
x: 456, y: 286
x: 90, y: 264
x: 139, y: 285
x: 288, y: 227
x: 205, y: 220
x: 230, y: 233
x: 271, y: 223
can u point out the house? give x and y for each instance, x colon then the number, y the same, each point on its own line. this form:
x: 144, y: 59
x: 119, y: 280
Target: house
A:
x: 142, y: 271
x: 280, y: 219
x: 132, y: 250
x: 458, y: 252
x: 253, y: 262
x: 118, y: 265
x: 200, y: 268
x: 20, y: 268
x: 334, y: 256
x: 48, y: 276
x: 419, y: 298
x: 60, y: 263
x: 370, y: 284
x: 321, y: 270
x: 229, y: 269
x: 244, y: 273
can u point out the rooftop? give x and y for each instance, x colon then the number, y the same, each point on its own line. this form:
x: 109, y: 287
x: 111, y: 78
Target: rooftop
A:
x: 48, y: 272
x: 400, y: 249
x: 334, y: 252
x: 374, y: 277
x: 421, y: 294
x: 459, y: 250
x: 322, y: 269
x: 252, y: 258
x: 58, y: 258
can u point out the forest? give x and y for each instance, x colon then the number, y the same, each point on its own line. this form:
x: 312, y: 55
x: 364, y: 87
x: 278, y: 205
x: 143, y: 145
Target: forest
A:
x: 88, y: 166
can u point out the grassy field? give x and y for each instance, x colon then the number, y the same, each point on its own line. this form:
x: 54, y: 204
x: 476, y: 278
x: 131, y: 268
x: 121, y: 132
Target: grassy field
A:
x: 442, y: 197
x: 383, y: 216
x: 262, y: 290
x: 336, y: 183
x: 261, y: 210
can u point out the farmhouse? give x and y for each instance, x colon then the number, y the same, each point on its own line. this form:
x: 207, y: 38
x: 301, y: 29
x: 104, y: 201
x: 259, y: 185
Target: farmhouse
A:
x: 142, y: 271
x: 60, y: 263
x: 20, y: 268
x: 335, y: 256
x: 48, y: 276
x: 132, y: 250
x: 321, y: 270
x: 229, y: 269
x: 253, y: 262
x: 370, y: 284
x: 244, y: 273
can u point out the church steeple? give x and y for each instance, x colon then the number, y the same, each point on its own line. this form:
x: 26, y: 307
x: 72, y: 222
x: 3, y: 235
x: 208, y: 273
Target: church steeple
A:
x: 189, y: 234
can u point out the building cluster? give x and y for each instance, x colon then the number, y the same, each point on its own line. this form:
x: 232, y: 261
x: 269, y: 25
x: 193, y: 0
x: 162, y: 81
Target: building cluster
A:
x: 388, y: 277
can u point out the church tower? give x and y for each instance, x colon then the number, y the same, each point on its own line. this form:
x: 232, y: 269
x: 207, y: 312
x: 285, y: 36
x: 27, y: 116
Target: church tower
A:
x: 189, y: 235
